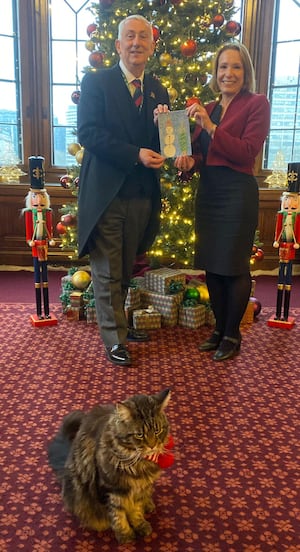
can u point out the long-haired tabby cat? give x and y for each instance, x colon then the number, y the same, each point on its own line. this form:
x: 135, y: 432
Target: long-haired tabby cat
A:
x: 106, y: 460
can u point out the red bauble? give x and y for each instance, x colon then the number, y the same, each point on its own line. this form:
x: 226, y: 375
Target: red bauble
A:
x: 96, y: 59
x: 189, y: 48
x: 256, y: 305
x: 91, y: 29
x: 66, y: 181
x: 68, y: 220
x: 218, y: 20
x: 233, y: 28
x: 75, y: 97
x: 76, y: 181
x: 191, y: 101
x: 259, y: 254
x: 61, y: 229
x: 156, y: 33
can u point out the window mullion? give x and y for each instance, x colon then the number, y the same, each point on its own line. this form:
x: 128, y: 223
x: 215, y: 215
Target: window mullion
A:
x: 35, y: 79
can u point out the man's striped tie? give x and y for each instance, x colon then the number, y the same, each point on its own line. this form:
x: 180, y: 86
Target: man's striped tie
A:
x: 138, y: 94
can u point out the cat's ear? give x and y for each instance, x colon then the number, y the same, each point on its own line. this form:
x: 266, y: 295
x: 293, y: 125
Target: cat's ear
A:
x: 163, y: 398
x: 123, y: 411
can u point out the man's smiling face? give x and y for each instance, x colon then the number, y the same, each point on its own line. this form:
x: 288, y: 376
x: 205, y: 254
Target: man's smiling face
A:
x: 135, y: 45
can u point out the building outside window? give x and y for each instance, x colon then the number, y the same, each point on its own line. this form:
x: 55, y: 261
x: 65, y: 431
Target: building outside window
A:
x: 284, y: 85
x: 10, y: 108
x: 67, y: 42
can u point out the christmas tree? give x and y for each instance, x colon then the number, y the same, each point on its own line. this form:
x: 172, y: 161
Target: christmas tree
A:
x: 187, y: 34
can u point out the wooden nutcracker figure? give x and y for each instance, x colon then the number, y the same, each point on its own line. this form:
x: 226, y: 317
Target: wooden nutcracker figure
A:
x: 39, y: 234
x: 287, y: 241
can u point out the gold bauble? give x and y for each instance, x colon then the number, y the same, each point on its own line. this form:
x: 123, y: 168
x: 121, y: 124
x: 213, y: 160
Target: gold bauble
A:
x: 81, y: 279
x: 165, y: 59
x: 90, y: 45
x: 73, y: 148
x: 204, y: 295
x: 173, y: 94
x: 79, y: 156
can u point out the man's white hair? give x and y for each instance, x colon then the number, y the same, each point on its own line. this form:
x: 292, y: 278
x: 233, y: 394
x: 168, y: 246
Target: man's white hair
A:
x: 130, y: 18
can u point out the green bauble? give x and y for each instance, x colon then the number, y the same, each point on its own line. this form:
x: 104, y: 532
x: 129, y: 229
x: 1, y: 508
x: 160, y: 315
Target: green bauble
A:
x: 192, y: 293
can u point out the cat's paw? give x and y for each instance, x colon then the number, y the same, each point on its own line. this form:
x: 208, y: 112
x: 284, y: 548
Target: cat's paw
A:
x: 123, y: 538
x: 144, y: 529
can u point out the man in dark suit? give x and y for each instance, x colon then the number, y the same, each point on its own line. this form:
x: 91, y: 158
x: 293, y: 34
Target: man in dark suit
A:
x: 119, y: 193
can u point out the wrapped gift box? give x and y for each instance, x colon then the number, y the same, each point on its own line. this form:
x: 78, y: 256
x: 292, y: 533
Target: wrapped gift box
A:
x: 209, y: 317
x: 75, y: 313
x: 192, y: 317
x: 76, y: 299
x: 133, y: 299
x: 161, y: 279
x: 167, y: 305
x: 146, y: 319
x: 91, y: 317
x: 139, y: 281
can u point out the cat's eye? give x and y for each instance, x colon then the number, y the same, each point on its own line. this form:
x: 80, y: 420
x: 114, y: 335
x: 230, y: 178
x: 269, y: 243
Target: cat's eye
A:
x: 158, y: 431
x: 139, y: 435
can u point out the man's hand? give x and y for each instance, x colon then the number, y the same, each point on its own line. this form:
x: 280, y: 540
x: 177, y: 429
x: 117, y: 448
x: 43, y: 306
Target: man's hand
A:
x: 151, y: 159
x: 184, y: 163
x: 161, y: 108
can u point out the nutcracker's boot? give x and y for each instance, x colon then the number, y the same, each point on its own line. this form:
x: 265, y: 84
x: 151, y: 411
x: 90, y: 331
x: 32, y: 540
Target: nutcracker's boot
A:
x: 279, y: 301
x: 46, y: 299
x: 286, y: 306
x: 38, y: 300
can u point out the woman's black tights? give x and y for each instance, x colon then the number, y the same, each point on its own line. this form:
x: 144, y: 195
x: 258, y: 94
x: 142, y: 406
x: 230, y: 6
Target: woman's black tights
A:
x: 229, y: 296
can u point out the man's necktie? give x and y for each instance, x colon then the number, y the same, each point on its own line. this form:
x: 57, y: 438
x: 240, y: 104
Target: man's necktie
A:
x: 138, y: 94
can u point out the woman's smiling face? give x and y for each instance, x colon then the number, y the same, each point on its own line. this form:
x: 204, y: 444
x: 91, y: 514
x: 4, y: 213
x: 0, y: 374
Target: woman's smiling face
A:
x: 230, y: 73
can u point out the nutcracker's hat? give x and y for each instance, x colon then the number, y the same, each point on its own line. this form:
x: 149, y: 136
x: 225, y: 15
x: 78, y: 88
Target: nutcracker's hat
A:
x: 293, y: 178
x: 37, y: 173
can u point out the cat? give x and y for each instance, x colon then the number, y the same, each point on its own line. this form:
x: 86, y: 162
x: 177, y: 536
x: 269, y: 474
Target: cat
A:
x: 108, y: 459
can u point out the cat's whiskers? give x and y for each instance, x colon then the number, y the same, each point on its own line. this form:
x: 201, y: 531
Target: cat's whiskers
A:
x: 125, y: 460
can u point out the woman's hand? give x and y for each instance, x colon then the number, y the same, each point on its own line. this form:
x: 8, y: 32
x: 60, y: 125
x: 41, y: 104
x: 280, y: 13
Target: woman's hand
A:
x: 161, y: 108
x: 184, y: 163
x: 199, y: 113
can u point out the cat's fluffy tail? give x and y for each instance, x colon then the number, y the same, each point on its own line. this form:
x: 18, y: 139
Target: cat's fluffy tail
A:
x: 60, y: 445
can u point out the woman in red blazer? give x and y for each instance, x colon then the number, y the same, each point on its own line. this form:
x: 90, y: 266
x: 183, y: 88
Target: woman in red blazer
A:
x: 229, y: 134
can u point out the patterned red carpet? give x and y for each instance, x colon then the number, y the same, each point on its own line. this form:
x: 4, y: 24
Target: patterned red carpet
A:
x: 234, y: 486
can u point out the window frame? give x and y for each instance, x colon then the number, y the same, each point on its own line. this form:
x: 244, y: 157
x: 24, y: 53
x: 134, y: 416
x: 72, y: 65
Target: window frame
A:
x: 257, y: 33
x: 258, y: 36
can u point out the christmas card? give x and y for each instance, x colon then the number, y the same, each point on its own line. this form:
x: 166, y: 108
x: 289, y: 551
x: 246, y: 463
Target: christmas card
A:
x: 174, y: 133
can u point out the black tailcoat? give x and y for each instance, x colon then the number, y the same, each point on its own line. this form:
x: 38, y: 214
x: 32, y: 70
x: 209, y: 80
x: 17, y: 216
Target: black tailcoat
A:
x: 112, y: 132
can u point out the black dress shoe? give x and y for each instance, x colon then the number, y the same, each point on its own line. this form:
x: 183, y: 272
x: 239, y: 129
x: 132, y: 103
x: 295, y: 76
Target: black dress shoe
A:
x: 137, y: 335
x: 228, y: 348
x: 118, y: 354
x: 212, y: 343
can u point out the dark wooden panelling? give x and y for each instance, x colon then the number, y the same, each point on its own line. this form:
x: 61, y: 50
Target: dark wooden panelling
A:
x: 14, y: 250
x: 13, y: 247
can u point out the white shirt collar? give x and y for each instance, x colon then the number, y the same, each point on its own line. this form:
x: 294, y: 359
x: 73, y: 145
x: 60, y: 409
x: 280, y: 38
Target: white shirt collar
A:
x: 128, y: 75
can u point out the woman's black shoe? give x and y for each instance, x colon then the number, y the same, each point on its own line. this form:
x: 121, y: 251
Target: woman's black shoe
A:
x: 212, y: 343
x: 228, y: 348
